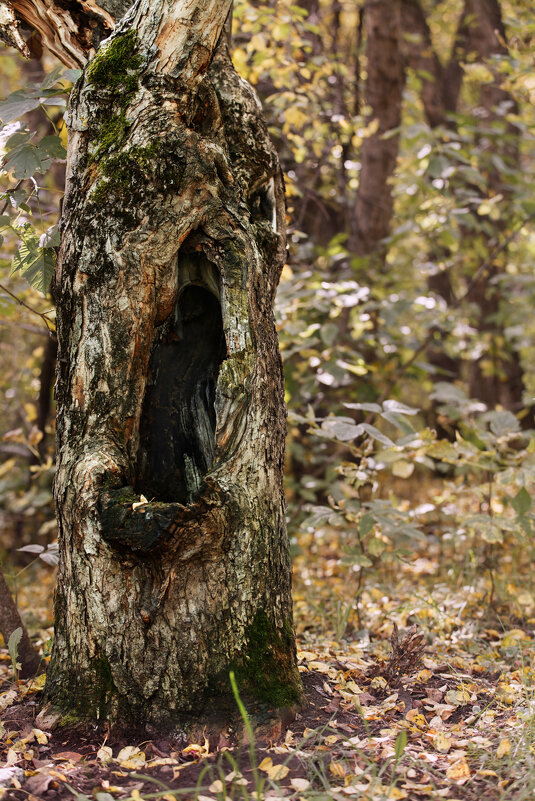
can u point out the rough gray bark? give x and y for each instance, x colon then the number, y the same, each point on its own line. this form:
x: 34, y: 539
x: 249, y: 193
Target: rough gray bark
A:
x: 169, y: 383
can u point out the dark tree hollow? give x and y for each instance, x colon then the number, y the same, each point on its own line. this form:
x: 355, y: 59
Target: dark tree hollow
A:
x: 178, y: 421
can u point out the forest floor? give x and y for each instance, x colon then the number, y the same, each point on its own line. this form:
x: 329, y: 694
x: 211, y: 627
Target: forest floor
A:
x: 384, y: 720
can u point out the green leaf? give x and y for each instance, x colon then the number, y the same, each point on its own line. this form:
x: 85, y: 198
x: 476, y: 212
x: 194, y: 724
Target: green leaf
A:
x: 24, y: 161
x: 521, y: 503
x: 13, y: 643
x: 53, y: 77
x: 17, y: 104
x: 5, y: 220
x: 398, y: 408
x: 400, y: 745
x: 502, y: 423
x: 52, y: 146
x: 35, y: 263
x: 341, y: 430
x: 366, y: 523
x: 364, y: 407
x: 378, y: 435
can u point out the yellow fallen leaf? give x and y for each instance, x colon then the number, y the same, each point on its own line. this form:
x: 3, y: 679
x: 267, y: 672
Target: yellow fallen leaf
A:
x: 441, y: 743
x: 142, y: 501
x: 416, y: 718
x: 486, y: 773
x: 337, y: 769
x: 459, y: 772
x: 424, y: 675
x: 130, y: 757
x: 331, y: 739
x: 506, y: 693
x: 217, y: 786
x: 275, y: 772
x: 40, y: 736
x: 458, y: 697
x: 513, y: 637
x: 37, y: 684
x: 266, y: 764
x: 378, y: 683
x: 278, y: 772
x: 504, y: 748
x: 322, y: 667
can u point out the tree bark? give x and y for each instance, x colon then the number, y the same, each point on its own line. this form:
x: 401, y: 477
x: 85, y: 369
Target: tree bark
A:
x: 169, y: 383
x: 384, y: 92
x: 10, y: 621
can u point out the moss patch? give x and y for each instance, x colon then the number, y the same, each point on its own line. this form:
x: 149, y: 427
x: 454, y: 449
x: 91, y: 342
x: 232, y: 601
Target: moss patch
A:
x: 267, y: 670
x: 116, y: 66
x: 114, y: 72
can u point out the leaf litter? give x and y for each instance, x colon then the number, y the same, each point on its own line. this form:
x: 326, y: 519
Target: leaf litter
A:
x: 427, y: 700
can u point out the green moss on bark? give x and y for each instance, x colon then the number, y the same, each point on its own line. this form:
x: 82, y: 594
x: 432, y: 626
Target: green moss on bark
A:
x: 116, y: 66
x: 267, y: 670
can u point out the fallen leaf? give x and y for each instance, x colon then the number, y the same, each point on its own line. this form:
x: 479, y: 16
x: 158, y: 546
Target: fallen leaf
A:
x: 300, y: 784
x: 40, y: 736
x: 275, y: 772
x: 130, y: 757
x: 68, y: 756
x: 337, y: 769
x: 105, y: 754
x: 441, y: 743
x: 458, y: 697
x: 504, y: 748
x: 459, y: 772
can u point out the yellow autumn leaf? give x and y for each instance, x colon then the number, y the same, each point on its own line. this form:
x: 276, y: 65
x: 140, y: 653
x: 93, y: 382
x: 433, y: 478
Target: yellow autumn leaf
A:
x: 458, y: 697
x: 40, y: 736
x: 459, y: 771
x: 504, y: 748
x: 278, y: 772
x: 142, y: 501
x: 441, y: 743
x: 331, y: 739
x: 217, y: 786
x: 416, y: 718
x: 266, y: 764
x: 337, y: 769
x: 295, y: 118
x: 424, y: 675
x: 321, y: 667
x: 130, y: 757
x: 37, y: 684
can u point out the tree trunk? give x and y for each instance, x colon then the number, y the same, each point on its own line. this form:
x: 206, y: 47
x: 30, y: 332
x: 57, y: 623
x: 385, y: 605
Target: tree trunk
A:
x: 10, y: 621
x: 170, y: 383
x: 384, y: 93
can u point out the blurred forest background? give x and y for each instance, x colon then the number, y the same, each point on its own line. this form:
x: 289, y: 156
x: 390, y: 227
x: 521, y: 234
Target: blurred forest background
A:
x: 406, y: 130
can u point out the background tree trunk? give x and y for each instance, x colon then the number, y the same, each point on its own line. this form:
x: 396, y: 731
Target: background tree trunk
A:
x: 170, y: 383
x: 10, y: 620
x: 384, y: 93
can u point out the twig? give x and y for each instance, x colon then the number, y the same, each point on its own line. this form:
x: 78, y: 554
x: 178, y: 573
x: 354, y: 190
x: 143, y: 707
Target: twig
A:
x: 43, y: 315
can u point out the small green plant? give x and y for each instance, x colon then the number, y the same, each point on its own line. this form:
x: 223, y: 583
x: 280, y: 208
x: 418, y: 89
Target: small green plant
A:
x: 13, y: 650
